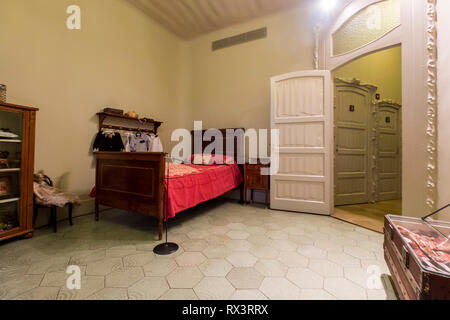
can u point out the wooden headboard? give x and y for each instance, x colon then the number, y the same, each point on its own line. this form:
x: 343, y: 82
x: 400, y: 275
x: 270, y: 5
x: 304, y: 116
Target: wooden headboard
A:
x: 238, y: 141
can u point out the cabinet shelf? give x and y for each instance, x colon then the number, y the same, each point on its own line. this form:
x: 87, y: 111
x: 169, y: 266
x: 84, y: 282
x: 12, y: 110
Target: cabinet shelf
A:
x: 11, y: 140
x: 9, y: 200
x: 9, y: 170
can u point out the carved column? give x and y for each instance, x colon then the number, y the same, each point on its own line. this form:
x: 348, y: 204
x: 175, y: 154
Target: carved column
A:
x: 432, y: 105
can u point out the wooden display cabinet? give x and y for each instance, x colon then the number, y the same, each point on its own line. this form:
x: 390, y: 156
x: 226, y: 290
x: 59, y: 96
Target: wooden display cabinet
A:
x: 17, y: 137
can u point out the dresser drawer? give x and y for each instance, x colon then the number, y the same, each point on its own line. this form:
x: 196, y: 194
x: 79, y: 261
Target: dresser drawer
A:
x: 254, y: 179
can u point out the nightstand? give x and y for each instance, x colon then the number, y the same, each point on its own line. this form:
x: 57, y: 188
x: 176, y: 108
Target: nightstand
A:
x: 254, y: 180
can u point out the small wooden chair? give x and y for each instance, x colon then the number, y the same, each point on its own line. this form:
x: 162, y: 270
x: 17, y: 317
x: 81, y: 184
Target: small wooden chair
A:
x: 53, y: 209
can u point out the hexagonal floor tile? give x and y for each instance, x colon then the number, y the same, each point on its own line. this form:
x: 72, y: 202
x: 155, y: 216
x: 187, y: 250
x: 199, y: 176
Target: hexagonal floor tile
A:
x: 236, y: 226
x: 238, y: 245
x: 217, y: 252
x: 43, y: 266
x: 272, y: 226
x: 198, y: 234
x: 271, y: 268
x: 159, y: 267
x: 277, y: 235
x: 15, y: 287
x: 284, y: 245
x: 104, y: 267
x: 138, y: 260
x: 54, y: 279
x: 184, y: 277
x: 217, y: 239
x: 124, y: 278
x: 190, y: 259
x: 260, y: 240
x: 179, y: 294
x: 194, y: 245
x: 315, y: 294
x: 305, y: 278
x: 328, y: 245
x: 360, y: 276
x: 89, y: 286
x: 326, y: 268
x: 294, y: 231
x: 121, y: 251
x: 110, y: 294
x: 242, y: 259
x: 264, y: 252
x: 214, y: 289
x: 238, y: 235
x: 293, y: 259
x: 87, y: 256
x: 255, y: 230
x: 311, y: 252
x: 40, y: 293
x: 279, y: 289
x: 301, y: 240
x: 344, y: 289
x: 215, y: 267
x: 148, y: 289
x: 359, y: 253
x: 245, y: 278
x: 243, y: 295
x: 344, y: 259
x: 218, y: 230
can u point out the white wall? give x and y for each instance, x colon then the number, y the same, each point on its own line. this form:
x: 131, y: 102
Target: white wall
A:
x: 119, y: 58
x: 231, y: 87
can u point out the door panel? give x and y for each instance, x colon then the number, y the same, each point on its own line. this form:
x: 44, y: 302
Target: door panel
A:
x: 389, y: 152
x: 353, y: 109
x: 302, y: 112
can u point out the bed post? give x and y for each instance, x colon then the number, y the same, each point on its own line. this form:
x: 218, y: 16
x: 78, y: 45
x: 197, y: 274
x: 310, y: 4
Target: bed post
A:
x: 162, y: 195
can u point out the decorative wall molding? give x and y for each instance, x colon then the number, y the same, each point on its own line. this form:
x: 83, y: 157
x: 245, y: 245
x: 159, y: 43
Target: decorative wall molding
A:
x: 432, y: 104
x: 316, y: 46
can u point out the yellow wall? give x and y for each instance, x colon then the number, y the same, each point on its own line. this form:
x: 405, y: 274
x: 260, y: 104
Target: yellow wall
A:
x: 119, y: 58
x: 382, y: 69
x: 231, y: 87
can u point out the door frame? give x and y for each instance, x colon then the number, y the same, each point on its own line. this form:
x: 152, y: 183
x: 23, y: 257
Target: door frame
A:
x: 417, y: 37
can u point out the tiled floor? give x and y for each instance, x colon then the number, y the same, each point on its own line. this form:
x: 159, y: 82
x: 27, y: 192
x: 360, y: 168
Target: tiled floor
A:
x: 227, y: 252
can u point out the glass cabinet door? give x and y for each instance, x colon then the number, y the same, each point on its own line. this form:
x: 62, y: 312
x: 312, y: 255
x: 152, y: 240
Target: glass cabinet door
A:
x: 11, y: 131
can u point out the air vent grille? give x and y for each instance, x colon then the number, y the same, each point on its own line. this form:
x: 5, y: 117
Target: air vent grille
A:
x: 239, y: 39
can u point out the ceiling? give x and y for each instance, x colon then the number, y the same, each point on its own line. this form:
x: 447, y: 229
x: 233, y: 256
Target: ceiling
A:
x: 191, y: 18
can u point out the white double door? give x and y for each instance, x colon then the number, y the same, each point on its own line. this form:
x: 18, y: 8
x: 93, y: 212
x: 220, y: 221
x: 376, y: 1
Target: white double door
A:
x: 367, y: 145
x: 302, y: 112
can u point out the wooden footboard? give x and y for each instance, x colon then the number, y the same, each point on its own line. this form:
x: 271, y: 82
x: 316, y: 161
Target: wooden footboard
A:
x: 132, y: 182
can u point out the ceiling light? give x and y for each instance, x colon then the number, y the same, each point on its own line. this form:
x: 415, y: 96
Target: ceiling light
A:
x: 328, y: 5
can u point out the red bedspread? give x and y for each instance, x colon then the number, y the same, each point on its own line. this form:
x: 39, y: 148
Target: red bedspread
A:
x: 190, y: 185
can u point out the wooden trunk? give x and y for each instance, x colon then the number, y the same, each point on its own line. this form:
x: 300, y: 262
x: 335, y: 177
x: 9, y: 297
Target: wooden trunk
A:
x: 416, y: 275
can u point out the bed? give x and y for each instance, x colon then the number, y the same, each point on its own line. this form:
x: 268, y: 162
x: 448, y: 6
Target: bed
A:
x: 137, y: 182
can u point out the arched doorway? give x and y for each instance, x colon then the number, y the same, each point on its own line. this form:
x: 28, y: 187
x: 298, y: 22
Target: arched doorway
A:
x: 305, y: 180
